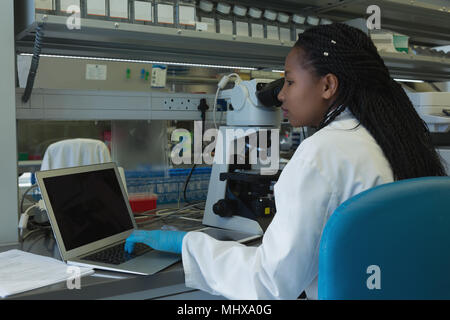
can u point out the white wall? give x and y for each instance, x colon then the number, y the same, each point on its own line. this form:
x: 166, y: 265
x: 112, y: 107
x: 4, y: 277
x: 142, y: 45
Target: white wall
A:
x: 8, y: 146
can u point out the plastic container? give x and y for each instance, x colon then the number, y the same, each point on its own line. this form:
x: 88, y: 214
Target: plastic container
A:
x: 142, y: 202
x: 165, y: 13
x: 45, y: 6
x: 224, y: 19
x: 206, y: 5
x: 186, y: 17
x: 241, y: 25
x: 256, y: 24
x: 143, y: 12
x: 119, y: 10
x: 169, y: 187
x: 401, y: 42
x: 271, y: 25
x: 95, y: 9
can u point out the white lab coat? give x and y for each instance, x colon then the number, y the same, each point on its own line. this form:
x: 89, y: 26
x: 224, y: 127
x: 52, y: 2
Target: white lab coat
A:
x: 336, y: 163
x: 75, y: 152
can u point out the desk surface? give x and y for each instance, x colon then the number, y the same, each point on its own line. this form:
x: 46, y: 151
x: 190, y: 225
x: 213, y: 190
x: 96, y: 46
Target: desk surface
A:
x: 166, y: 284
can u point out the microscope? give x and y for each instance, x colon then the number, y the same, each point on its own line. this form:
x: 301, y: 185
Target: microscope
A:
x: 246, y: 160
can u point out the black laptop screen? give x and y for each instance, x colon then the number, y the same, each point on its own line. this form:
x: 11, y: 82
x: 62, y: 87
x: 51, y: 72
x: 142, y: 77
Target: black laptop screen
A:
x: 88, y: 206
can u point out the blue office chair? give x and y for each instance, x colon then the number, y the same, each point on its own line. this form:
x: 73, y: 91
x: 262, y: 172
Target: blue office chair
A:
x: 389, y: 242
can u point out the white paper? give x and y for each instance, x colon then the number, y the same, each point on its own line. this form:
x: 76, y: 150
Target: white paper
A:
x: 118, y: 9
x: 22, y: 271
x: 187, y: 15
x: 143, y: 11
x: 165, y: 13
x: 43, y: 4
x: 96, y: 7
x: 23, y: 69
x: 226, y: 26
x: 201, y: 26
x: 65, y: 4
x: 272, y: 32
x: 257, y: 30
x: 96, y: 72
x: 159, y: 73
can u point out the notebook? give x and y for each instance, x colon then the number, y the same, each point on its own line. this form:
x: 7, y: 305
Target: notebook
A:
x: 91, y: 218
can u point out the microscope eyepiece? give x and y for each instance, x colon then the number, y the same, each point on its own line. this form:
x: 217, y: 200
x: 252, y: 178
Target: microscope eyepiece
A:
x: 268, y: 93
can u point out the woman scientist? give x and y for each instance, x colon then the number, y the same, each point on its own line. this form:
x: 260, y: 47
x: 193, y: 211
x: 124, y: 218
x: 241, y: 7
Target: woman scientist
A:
x: 368, y: 134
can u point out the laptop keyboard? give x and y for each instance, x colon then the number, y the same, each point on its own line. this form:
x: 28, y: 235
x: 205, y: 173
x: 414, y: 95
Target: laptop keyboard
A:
x: 117, y: 254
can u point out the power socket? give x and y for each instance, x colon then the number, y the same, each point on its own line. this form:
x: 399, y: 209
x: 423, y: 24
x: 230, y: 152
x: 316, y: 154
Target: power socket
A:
x: 181, y: 104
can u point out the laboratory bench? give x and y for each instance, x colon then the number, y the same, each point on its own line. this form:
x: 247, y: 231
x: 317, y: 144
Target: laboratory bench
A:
x: 168, y: 284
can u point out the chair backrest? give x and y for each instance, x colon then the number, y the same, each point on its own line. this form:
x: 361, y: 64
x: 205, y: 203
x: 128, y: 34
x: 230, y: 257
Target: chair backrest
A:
x: 78, y: 152
x: 75, y: 152
x: 389, y: 242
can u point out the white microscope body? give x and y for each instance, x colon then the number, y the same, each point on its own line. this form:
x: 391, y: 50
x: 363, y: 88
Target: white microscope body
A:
x: 246, y: 117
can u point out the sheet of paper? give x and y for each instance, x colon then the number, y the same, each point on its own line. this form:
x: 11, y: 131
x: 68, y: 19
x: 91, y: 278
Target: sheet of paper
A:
x: 159, y: 74
x: 23, y: 69
x: 96, y: 72
x: 22, y: 271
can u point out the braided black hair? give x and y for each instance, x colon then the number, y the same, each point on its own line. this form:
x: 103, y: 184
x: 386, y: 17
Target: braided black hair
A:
x: 373, y: 97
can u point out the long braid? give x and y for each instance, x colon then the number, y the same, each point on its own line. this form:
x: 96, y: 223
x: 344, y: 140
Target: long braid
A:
x: 374, y: 98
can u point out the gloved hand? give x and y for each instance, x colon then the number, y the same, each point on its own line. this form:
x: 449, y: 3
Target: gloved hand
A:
x: 169, y: 241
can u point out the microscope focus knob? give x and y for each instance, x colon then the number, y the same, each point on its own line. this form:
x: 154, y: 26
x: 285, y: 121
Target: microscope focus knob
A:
x: 224, y: 208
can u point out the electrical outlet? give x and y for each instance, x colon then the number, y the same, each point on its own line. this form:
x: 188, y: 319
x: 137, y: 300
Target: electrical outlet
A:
x: 181, y: 104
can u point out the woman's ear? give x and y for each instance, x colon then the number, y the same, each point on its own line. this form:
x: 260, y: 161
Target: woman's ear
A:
x: 330, y: 86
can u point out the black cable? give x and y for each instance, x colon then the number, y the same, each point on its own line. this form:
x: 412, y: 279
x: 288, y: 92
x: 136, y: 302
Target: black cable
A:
x: 202, y: 107
x: 34, y: 62
x: 187, y: 182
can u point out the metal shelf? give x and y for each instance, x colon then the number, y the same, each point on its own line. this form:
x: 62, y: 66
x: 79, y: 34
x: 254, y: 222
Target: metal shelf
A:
x: 426, y: 22
x: 409, y: 66
x: 132, y: 41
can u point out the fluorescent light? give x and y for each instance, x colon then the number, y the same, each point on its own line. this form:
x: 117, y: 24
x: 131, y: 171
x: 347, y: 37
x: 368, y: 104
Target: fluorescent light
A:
x: 142, y: 61
x: 278, y: 71
x: 408, y: 80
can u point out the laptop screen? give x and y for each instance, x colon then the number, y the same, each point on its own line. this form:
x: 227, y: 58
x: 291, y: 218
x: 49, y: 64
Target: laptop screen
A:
x: 88, y: 206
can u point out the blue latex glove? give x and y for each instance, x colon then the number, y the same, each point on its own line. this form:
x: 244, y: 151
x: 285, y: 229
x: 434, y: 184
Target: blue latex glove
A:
x: 169, y: 241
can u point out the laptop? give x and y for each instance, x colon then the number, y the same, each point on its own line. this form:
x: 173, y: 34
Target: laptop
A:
x: 91, y: 218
